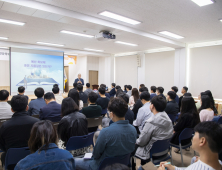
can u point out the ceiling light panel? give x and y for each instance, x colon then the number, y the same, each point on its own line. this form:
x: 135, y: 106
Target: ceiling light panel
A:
x: 119, y: 17
x: 171, y: 34
x: 89, y: 49
x: 50, y: 44
x: 203, y: 2
x: 75, y: 33
x: 3, y: 38
x: 125, y: 43
x: 12, y: 22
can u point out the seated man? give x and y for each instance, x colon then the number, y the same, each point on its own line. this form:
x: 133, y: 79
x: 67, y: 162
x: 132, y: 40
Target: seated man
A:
x: 159, y: 92
x: 116, y: 140
x: 144, y: 112
x: 52, y: 111
x: 129, y: 114
x: 5, y: 108
x: 88, y: 89
x: 172, y: 108
x: 36, y: 105
x: 102, y: 101
x: 157, y: 127
x: 55, y: 91
x: 207, y: 142
x: 112, y: 92
x: 75, y: 86
x: 175, y: 89
x: 138, y: 103
x: 153, y: 92
x: 183, y: 91
x: 82, y: 95
x: 129, y: 90
x: 93, y: 110
x: 15, y: 132
x: 21, y: 91
x: 142, y: 85
x: 106, y: 94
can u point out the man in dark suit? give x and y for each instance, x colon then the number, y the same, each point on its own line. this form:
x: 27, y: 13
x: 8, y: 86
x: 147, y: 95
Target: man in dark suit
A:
x: 15, y: 132
x: 183, y: 91
x: 112, y: 92
x: 52, y: 111
x: 175, y: 89
x: 79, y: 80
x: 172, y: 108
x: 82, y: 95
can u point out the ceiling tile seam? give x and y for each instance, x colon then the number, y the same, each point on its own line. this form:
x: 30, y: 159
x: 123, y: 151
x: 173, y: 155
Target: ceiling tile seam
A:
x: 2, y: 5
x: 18, y: 9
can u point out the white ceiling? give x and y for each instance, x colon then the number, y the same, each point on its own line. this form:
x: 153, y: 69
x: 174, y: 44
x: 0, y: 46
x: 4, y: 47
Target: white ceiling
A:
x: 183, y: 17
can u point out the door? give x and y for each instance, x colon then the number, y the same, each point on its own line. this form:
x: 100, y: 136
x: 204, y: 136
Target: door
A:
x: 93, y: 78
x: 66, y: 69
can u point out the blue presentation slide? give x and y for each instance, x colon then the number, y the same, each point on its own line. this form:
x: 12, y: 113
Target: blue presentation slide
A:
x: 36, y: 70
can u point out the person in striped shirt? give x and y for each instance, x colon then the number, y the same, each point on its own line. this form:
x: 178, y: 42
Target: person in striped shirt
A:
x: 207, y: 141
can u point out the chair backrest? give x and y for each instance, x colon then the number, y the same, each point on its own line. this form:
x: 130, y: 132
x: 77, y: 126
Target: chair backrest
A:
x: 14, y: 155
x: 78, y: 142
x: 160, y: 146
x: 36, y: 116
x: 93, y: 122
x: 217, y: 119
x: 172, y: 117
x: 112, y: 160
x: 186, y: 134
x: 2, y: 121
x: 104, y: 111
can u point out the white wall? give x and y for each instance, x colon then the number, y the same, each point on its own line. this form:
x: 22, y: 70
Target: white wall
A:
x: 126, y: 71
x: 205, y: 70
x: 160, y: 70
x: 4, y: 73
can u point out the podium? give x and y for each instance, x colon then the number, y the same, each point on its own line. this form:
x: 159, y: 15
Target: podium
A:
x: 95, y: 86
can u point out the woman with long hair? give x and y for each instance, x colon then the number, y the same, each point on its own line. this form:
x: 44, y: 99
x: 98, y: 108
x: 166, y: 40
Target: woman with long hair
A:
x: 73, y: 123
x: 135, y: 96
x: 198, y: 104
x: 45, y: 152
x: 212, y: 103
x: 206, y: 113
x: 188, y: 118
x: 74, y: 94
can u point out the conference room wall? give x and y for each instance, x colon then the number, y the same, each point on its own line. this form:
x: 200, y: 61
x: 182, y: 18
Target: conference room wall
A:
x: 126, y: 70
x: 160, y: 70
x: 4, y: 73
x: 205, y: 69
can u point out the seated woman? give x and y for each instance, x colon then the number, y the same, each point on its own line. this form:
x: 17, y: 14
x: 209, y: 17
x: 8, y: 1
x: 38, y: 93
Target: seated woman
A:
x: 45, y: 153
x: 212, y: 103
x: 74, y: 94
x: 198, y: 104
x: 188, y: 118
x: 73, y: 123
x: 206, y: 113
x: 133, y: 99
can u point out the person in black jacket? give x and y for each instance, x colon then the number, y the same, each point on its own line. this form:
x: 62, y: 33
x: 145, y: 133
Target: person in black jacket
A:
x: 159, y: 92
x: 188, y: 118
x: 15, y: 132
x: 138, y: 103
x: 82, y: 95
x: 172, y: 107
x: 112, y: 91
x: 183, y: 91
x: 73, y: 123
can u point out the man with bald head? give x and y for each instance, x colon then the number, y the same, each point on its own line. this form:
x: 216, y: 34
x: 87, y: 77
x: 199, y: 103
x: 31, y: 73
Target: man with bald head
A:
x: 79, y: 80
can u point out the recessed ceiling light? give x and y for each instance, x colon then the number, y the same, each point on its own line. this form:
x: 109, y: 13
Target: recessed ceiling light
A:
x: 203, y: 2
x: 171, y: 34
x: 5, y: 47
x: 78, y: 34
x: 70, y: 54
x: 119, y: 17
x: 89, y: 49
x: 125, y: 43
x: 3, y: 38
x: 44, y: 43
x: 12, y: 22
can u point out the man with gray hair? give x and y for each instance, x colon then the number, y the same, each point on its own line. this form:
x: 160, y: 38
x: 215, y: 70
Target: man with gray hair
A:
x: 79, y: 80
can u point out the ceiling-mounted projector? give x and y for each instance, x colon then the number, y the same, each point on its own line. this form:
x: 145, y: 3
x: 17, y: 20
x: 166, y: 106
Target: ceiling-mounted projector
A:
x: 105, y: 36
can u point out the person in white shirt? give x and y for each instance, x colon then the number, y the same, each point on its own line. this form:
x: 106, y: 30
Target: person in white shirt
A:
x: 5, y: 108
x: 144, y: 112
x: 58, y: 97
x: 207, y: 142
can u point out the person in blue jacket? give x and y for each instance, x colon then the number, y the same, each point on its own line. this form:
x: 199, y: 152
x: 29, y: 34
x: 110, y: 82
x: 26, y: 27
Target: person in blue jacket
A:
x: 79, y: 80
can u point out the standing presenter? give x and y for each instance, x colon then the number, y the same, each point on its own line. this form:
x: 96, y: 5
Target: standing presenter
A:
x: 79, y: 80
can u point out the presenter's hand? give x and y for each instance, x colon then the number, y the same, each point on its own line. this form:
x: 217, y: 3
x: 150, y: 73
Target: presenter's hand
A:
x: 80, y: 82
